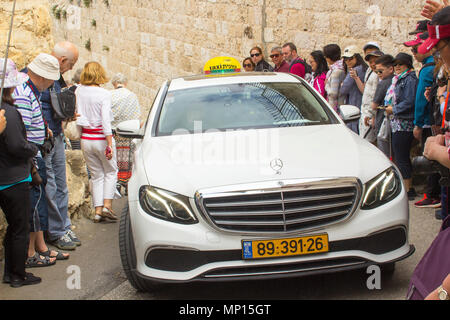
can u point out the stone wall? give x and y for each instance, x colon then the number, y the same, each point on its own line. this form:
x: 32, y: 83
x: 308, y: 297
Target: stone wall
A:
x: 151, y: 40
x: 32, y: 30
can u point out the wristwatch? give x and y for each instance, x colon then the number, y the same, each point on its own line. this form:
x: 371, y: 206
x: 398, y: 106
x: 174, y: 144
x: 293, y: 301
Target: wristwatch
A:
x: 442, y: 294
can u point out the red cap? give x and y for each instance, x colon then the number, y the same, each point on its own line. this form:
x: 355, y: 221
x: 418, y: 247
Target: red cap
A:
x: 436, y: 34
x: 415, y: 42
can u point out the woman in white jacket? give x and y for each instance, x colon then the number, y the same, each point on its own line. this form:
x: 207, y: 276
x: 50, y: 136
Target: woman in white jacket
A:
x: 97, y: 142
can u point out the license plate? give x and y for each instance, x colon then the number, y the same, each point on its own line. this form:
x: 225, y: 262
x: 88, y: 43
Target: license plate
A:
x: 258, y: 249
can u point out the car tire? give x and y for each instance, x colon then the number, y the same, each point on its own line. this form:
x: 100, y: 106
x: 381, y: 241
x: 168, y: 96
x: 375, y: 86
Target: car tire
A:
x: 128, y: 254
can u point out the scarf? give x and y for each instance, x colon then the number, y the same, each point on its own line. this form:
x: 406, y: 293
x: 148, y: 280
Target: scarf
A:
x: 390, y: 99
x: 338, y: 65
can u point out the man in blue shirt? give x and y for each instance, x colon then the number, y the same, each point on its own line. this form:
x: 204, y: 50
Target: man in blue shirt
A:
x: 59, y: 228
x: 422, y: 123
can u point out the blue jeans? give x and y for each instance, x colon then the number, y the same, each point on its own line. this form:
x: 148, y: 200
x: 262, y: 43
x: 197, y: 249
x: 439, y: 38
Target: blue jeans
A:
x: 57, y: 191
x: 39, y: 211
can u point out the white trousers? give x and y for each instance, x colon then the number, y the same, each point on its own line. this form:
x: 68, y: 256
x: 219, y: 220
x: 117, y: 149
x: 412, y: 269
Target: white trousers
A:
x: 103, y: 172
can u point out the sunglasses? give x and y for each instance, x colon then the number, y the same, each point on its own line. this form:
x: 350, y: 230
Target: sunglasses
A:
x: 379, y: 71
x: 247, y: 65
x: 255, y: 55
x: 275, y: 55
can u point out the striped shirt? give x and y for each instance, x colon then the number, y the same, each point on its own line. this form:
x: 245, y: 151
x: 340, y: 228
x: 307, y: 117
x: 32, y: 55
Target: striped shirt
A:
x: 30, y: 108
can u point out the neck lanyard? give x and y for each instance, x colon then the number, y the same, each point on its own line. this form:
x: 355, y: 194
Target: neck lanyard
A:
x: 445, y: 107
x: 37, y: 96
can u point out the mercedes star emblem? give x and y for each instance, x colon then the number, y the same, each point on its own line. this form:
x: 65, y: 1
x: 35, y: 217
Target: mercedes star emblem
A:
x: 276, y: 165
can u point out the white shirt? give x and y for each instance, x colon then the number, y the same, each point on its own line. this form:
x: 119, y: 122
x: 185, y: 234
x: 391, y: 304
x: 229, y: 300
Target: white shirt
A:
x: 94, y: 107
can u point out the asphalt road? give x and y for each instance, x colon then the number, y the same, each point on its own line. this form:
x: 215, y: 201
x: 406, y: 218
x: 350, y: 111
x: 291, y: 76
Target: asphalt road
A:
x: 94, y: 271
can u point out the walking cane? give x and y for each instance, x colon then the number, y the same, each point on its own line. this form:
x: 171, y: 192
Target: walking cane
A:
x: 7, y: 49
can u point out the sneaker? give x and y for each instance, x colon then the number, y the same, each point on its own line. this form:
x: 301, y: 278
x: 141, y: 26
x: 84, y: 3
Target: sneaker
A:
x: 426, y: 202
x: 412, y: 194
x: 64, y: 243
x: 74, y: 238
x: 30, y: 279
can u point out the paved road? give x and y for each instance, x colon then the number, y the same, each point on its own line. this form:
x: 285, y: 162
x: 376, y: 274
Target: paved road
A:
x: 98, y: 261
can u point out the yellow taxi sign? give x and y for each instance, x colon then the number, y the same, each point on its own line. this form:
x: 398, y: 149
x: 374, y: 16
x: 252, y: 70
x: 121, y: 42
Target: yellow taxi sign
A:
x: 222, y: 65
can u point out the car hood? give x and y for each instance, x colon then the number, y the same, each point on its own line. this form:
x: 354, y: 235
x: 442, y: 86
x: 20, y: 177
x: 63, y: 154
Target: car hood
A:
x: 187, y: 163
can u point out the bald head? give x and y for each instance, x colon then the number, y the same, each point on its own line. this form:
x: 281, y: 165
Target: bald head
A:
x: 67, y: 54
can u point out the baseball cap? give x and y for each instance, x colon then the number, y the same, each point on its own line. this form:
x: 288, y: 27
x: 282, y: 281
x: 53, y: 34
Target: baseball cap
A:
x: 46, y: 66
x: 371, y: 44
x: 419, y: 39
x: 376, y: 53
x: 436, y: 31
x: 404, y: 58
x: 350, y: 51
x: 420, y: 27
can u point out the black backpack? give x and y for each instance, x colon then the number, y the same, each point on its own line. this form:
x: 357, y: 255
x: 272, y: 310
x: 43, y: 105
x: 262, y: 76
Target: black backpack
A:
x: 63, y: 103
x: 308, y: 68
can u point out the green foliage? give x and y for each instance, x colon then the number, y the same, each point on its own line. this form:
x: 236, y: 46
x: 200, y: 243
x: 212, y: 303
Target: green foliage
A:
x: 87, y: 44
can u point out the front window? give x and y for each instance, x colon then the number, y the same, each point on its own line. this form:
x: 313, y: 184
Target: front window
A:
x: 241, y: 106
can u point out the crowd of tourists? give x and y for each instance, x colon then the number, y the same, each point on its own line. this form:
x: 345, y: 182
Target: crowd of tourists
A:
x: 398, y: 104
x: 33, y: 187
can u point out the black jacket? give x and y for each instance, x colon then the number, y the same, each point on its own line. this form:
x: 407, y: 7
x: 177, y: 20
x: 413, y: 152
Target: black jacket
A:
x: 263, y: 65
x: 15, y: 150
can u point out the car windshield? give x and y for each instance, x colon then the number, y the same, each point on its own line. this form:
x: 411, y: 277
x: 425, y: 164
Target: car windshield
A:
x: 241, y: 106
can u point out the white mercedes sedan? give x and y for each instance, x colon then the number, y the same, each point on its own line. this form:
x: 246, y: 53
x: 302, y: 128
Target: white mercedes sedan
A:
x: 254, y: 176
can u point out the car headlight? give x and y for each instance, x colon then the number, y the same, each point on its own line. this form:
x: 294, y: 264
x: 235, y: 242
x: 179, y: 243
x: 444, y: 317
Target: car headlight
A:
x: 382, y: 189
x: 166, y: 205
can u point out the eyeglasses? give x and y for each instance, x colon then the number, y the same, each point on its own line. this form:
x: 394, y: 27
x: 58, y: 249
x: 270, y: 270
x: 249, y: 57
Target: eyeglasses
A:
x: 276, y: 55
x: 255, y: 55
x: 247, y: 65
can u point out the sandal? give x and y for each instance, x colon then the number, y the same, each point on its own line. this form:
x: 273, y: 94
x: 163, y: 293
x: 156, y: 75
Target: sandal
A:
x: 98, y: 218
x: 108, y: 213
x: 36, y: 261
x: 59, y: 254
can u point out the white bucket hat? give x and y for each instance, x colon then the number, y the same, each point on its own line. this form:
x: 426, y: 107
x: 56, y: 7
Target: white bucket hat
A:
x: 13, y: 77
x: 46, y: 66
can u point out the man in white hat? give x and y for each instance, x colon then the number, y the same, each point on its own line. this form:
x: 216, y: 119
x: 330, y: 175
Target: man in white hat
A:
x: 59, y: 229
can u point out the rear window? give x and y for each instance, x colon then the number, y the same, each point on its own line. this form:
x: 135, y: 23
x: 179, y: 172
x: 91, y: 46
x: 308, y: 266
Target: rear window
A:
x: 241, y: 106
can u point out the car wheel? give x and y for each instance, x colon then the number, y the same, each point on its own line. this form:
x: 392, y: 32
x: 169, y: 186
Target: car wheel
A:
x: 128, y: 254
x: 388, y: 269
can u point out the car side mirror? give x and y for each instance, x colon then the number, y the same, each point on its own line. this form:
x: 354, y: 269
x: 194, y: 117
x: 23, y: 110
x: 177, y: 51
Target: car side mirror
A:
x: 349, y: 113
x: 130, y: 129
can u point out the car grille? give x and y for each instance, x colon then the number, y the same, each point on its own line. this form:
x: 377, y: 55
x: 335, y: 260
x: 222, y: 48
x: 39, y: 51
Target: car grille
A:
x: 295, y: 208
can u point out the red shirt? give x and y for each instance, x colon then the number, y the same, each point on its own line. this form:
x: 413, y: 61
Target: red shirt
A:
x: 297, y: 68
x: 284, y: 67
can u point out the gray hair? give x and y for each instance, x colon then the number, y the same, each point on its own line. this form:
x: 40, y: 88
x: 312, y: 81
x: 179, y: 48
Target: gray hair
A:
x: 277, y: 48
x: 119, y: 78
x: 76, y: 76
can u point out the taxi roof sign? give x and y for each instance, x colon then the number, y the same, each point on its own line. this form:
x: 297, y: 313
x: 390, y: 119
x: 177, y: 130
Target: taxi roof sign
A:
x: 219, y: 65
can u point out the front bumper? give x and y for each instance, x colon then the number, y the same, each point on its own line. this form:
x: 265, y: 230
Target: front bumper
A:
x: 167, y: 251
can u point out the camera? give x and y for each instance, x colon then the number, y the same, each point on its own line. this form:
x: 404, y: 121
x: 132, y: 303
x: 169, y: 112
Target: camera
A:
x: 423, y: 166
